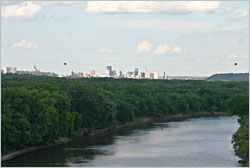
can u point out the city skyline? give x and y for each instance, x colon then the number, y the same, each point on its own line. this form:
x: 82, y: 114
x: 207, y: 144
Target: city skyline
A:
x: 180, y: 38
x: 109, y: 72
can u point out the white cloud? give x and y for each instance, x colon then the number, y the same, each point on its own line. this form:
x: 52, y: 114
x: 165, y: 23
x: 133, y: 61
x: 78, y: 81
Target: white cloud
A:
x: 168, y: 7
x: 28, y: 9
x: 240, y: 16
x: 161, y: 49
x: 178, y: 50
x: 25, y: 44
x: 106, y: 50
x: 25, y: 10
x: 46, y: 3
x: 144, y: 46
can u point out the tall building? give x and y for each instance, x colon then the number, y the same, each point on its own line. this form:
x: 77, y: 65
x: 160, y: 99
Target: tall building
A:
x: 136, y: 72
x: 109, y: 68
x: 109, y: 71
x: 120, y: 74
x: 143, y: 75
x: 147, y: 74
x: 156, y: 76
x: 92, y: 72
x: 165, y: 76
x: 151, y: 75
x: 9, y: 70
x: 113, y: 73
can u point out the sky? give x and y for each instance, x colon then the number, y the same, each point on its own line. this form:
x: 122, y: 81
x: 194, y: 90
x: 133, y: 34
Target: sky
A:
x: 193, y: 38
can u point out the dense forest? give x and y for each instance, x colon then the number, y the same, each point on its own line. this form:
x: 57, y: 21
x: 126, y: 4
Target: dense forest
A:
x: 239, y: 105
x: 230, y: 77
x: 39, y: 109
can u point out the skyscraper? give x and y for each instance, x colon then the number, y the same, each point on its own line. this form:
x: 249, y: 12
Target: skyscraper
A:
x: 151, y: 75
x: 107, y: 73
x: 92, y: 72
x: 147, y: 74
x: 136, y: 72
x: 142, y: 75
x: 165, y: 76
x: 113, y: 73
x: 120, y: 75
x: 156, y: 76
x: 109, y: 68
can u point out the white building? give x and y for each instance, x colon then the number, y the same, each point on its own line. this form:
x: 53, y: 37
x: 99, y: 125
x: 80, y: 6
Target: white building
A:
x: 107, y: 73
x: 156, y: 76
x: 9, y: 70
x: 147, y: 75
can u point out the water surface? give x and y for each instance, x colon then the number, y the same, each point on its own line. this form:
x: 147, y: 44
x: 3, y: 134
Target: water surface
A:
x: 193, y: 142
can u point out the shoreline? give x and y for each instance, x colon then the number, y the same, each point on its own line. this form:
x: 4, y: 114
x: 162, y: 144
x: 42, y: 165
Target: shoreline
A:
x: 100, y: 131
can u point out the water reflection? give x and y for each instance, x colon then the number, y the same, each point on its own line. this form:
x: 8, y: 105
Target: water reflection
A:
x: 192, y: 142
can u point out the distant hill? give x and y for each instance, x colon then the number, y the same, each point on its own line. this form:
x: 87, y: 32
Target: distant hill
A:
x: 230, y: 77
x: 187, y: 77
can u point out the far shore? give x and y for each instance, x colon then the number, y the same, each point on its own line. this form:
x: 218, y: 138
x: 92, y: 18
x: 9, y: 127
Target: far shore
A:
x: 99, y: 131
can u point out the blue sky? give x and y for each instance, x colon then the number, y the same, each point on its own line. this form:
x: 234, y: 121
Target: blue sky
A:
x: 181, y: 38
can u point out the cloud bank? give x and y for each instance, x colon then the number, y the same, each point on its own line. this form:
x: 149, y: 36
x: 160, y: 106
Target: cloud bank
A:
x: 161, y: 49
x: 25, y: 44
x: 144, y: 46
x: 167, y: 7
x: 25, y: 10
x: 28, y: 9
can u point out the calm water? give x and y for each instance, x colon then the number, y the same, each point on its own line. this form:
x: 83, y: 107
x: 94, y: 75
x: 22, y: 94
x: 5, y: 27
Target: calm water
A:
x: 191, y: 142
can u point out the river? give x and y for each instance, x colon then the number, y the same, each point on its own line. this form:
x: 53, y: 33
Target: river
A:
x: 191, y: 142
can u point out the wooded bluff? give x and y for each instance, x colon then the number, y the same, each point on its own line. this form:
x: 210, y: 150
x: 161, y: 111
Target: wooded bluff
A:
x: 39, y: 109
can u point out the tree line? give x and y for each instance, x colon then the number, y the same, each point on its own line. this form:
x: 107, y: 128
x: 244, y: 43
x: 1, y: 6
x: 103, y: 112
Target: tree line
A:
x: 39, y: 109
x: 239, y: 105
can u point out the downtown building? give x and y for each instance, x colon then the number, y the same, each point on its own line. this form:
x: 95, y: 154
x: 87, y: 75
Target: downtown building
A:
x: 9, y: 70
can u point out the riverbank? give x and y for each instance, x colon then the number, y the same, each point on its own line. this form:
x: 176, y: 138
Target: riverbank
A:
x: 241, y: 140
x: 99, y: 131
